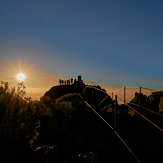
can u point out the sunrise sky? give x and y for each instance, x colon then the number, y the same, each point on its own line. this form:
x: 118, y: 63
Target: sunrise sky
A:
x: 111, y: 42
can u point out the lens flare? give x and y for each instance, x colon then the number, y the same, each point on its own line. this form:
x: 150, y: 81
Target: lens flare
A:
x: 20, y: 77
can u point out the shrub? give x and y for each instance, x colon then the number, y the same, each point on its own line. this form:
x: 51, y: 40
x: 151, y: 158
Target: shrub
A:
x: 19, y: 115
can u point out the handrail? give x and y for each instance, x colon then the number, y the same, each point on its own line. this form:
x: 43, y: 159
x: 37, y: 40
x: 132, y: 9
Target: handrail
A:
x: 115, y: 132
x: 102, y: 100
x: 96, y: 89
x: 146, y: 109
x: 148, y: 120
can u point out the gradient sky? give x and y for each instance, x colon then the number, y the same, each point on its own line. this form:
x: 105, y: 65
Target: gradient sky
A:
x: 114, y: 42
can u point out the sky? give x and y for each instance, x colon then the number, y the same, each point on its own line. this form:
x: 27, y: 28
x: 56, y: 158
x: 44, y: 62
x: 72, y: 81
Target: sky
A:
x: 111, y: 42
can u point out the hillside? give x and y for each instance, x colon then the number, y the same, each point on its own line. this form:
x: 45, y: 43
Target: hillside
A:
x: 94, y: 95
x: 66, y: 123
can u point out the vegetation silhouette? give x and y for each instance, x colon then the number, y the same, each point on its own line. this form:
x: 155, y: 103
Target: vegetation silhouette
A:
x: 154, y: 101
x: 61, y: 119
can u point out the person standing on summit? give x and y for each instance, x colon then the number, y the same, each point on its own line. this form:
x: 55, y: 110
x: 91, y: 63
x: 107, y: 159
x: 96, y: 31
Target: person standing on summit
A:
x: 80, y: 79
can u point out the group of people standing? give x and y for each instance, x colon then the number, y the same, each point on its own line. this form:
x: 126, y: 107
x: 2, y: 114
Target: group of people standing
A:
x: 71, y: 81
x: 66, y: 82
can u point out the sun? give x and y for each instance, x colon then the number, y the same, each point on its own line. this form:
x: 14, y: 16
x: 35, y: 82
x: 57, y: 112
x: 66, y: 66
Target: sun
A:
x: 20, y: 77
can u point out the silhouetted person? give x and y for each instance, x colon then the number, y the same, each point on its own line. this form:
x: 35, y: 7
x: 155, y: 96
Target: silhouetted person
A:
x: 79, y: 77
x: 80, y: 81
x: 98, y: 87
x: 68, y: 82
x: 71, y: 80
x: 75, y: 81
x: 60, y: 81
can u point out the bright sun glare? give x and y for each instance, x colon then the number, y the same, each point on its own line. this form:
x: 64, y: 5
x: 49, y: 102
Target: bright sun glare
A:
x: 20, y: 77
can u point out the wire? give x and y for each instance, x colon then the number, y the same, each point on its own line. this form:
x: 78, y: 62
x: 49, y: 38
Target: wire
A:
x: 132, y: 87
x: 117, y: 90
x: 120, y: 99
x: 152, y: 89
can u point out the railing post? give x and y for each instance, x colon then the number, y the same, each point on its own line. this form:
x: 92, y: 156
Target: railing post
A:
x: 112, y: 95
x: 115, y: 113
x: 140, y: 90
x: 124, y: 95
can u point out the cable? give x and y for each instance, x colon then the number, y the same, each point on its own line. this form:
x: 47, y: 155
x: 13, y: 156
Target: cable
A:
x: 152, y: 89
x: 117, y: 90
x: 130, y: 97
x: 130, y: 87
x: 120, y: 99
